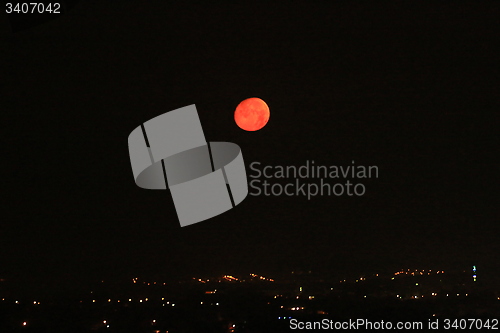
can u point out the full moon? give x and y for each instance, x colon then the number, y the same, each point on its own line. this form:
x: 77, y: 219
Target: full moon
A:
x: 252, y: 114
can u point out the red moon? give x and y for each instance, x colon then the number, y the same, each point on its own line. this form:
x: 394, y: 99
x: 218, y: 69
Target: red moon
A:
x: 252, y: 114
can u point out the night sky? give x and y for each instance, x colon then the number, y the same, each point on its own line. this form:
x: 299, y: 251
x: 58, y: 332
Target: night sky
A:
x: 412, y: 89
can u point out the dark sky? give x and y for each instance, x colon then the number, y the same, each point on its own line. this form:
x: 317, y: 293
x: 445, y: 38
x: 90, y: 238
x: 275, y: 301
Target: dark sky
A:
x: 413, y: 89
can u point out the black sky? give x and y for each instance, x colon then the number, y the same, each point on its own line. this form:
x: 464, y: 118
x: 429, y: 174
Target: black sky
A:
x: 414, y: 90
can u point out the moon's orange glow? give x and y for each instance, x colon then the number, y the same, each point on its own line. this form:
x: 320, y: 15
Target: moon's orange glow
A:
x: 252, y: 114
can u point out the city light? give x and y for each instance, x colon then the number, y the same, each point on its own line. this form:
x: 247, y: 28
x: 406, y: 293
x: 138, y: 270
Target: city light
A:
x: 232, y: 278
x: 289, y: 296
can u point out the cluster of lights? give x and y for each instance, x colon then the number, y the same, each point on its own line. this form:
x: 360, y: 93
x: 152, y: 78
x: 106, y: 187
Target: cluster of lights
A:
x: 109, y: 300
x: 417, y: 272
x: 311, y: 297
x: 216, y: 304
x: 136, y: 280
x: 17, y: 302
x: 297, y: 308
x: 261, y: 277
x: 230, y: 278
x: 432, y: 294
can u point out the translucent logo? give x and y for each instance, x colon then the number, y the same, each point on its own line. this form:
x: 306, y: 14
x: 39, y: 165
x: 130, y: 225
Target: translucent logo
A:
x: 205, y: 179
